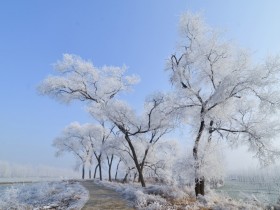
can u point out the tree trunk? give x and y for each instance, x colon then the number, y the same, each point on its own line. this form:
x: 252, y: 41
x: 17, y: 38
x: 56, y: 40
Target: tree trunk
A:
x: 116, y: 174
x: 135, y: 175
x: 199, y: 181
x: 143, y: 162
x: 89, y: 173
x: 141, y: 177
x: 110, y: 178
x: 125, y: 178
x: 98, y: 158
x: 83, y: 172
x: 100, y: 169
x: 94, y: 176
x: 199, y: 186
x: 110, y: 161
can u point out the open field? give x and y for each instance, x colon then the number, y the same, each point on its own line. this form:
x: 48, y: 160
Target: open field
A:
x: 266, y: 191
x: 29, y: 179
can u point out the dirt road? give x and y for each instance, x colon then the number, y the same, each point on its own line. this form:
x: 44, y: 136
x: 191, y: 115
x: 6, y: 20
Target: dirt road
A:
x: 102, y: 198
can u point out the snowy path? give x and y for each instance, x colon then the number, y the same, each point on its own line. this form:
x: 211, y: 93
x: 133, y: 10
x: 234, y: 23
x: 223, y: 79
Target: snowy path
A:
x: 101, y: 198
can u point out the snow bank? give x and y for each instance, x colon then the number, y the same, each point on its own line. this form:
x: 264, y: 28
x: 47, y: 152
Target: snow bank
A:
x: 45, y: 195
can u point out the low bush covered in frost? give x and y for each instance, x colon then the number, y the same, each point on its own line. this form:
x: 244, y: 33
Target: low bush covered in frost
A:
x: 45, y: 195
x: 164, y: 197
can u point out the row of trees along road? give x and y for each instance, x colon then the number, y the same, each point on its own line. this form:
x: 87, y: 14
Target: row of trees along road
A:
x: 219, y: 93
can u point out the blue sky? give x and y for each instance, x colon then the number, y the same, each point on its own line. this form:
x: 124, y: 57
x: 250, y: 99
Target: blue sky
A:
x: 140, y: 34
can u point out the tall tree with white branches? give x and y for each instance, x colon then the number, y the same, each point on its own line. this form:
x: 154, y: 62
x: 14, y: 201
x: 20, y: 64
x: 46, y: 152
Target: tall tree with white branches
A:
x: 223, y: 93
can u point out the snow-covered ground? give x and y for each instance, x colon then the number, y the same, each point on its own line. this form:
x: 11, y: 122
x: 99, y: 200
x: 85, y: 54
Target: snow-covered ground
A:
x: 71, y: 195
x: 162, y: 197
x: 43, y: 195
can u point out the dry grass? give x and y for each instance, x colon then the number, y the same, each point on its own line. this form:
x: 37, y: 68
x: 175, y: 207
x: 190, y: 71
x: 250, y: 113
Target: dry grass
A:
x: 180, y: 204
x: 183, y: 201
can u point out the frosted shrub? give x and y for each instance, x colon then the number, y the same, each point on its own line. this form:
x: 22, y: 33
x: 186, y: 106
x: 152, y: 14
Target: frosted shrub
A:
x: 168, y: 192
x: 164, y: 197
x: 9, y: 199
x: 59, y: 195
x: 147, y: 200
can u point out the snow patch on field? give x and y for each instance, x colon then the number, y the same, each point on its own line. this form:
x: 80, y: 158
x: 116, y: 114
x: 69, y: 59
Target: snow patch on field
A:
x: 45, y: 195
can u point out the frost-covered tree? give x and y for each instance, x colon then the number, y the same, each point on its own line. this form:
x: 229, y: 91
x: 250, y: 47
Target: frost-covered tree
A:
x: 223, y: 93
x: 211, y: 165
x: 125, y: 163
x: 100, y: 136
x: 102, y: 147
x: 85, y: 141
x: 110, y: 154
x: 78, y: 79
x: 73, y: 140
x: 143, y: 130
x: 160, y: 161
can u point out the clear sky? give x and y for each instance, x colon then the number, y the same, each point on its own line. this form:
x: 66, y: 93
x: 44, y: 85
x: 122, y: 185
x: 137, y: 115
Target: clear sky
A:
x: 140, y: 34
